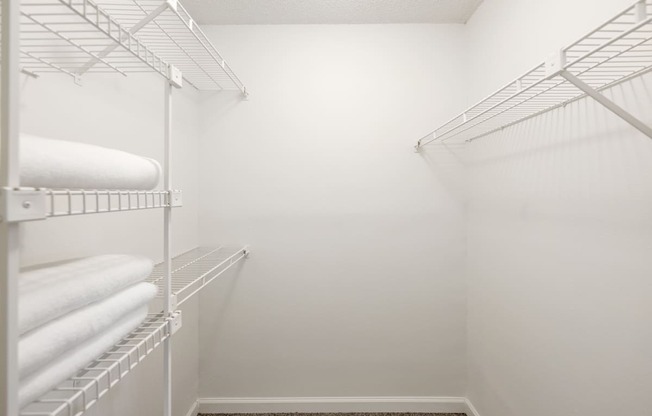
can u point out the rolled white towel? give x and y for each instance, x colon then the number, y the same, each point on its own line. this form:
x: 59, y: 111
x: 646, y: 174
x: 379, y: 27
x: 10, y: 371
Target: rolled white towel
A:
x: 50, y: 291
x: 49, y: 341
x: 50, y: 163
x: 67, y: 365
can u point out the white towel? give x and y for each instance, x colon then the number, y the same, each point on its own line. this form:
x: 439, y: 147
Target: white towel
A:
x: 67, y: 365
x: 47, y: 293
x: 49, y: 163
x: 45, y: 343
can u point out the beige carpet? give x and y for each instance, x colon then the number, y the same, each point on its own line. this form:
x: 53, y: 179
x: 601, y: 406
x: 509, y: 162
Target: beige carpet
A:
x: 332, y: 414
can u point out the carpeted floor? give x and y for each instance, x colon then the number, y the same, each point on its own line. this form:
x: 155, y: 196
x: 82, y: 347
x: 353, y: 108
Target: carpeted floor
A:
x: 332, y: 414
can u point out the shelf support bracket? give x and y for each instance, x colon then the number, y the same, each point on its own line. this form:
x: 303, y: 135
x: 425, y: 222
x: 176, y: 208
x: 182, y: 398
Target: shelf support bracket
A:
x: 18, y: 205
x: 135, y: 28
x: 641, y: 11
x: 175, y: 322
x: 610, y: 105
x: 175, y: 198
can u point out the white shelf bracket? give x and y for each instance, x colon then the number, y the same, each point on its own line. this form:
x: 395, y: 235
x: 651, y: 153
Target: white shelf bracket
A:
x: 641, y: 11
x: 17, y: 205
x: 175, y: 322
x: 610, y: 105
x: 175, y: 76
x: 172, y: 4
x: 432, y: 137
x: 175, y: 198
x: 555, y: 64
x: 124, y: 35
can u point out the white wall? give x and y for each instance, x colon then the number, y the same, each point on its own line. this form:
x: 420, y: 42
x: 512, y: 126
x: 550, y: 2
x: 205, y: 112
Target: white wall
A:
x: 560, y: 231
x: 359, y: 275
x: 355, y: 282
x: 125, y: 114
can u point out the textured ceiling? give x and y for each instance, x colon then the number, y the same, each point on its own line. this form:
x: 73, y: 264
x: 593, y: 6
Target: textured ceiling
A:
x: 242, y: 12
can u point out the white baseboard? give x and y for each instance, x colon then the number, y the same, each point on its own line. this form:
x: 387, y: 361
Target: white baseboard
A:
x: 194, y: 410
x: 334, y: 404
x: 470, y: 409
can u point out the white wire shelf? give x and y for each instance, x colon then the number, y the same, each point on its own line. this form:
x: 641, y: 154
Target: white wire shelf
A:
x: 194, y: 269
x: 81, y: 391
x: 28, y: 204
x: 64, y: 35
x: 617, y: 51
x: 168, y: 29
x: 66, y: 203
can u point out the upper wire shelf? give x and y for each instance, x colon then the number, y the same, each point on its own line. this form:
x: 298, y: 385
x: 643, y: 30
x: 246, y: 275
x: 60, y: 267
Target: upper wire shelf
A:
x: 167, y: 28
x: 618, y: 50
x: 124, y: 36
x: 65, y: 35
x: 77, y: 394
x: 194, y: 269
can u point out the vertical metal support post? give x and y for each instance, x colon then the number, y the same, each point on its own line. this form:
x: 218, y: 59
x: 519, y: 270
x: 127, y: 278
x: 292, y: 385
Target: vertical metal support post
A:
x: 9, y: 232
x: 167, y: 223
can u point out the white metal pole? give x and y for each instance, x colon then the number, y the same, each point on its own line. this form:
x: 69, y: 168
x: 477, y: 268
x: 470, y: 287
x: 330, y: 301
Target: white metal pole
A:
x: 167, y: 222
x: 9, y: 232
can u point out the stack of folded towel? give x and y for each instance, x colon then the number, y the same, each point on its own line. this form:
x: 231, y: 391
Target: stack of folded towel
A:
x: 59, y: 164
x: 71, y: 312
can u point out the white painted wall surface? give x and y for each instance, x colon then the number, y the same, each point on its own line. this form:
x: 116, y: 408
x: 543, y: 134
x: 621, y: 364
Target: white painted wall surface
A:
x: 358, y: 280
x: 355, y: 282
x: 126, y: 114
x: 560, y: 231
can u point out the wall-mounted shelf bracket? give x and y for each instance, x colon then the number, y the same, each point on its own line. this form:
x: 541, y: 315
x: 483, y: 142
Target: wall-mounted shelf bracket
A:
x: 175, y: 322
x: 22, y: 204
x: 556, y: 66
x: 123, y: 36
x: 641, y: 11
x: 606, y: 102
x: 176, y: 199
x: 172, y: 4
x: 419, y: 146
x: 175, y: 76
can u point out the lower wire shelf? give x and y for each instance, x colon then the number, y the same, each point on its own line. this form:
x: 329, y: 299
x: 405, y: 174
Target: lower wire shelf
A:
x: 194, y: 269
x: 81, y: 391
x: 191, y: 271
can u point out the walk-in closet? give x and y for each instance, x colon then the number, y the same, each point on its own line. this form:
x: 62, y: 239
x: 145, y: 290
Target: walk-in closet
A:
x: 397, y: 207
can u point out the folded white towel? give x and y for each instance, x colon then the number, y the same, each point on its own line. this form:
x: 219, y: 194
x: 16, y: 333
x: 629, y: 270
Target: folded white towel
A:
x: 51, y: 291
x: 60, y: 369
x: 49, y: 163
x: 47, y: 342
